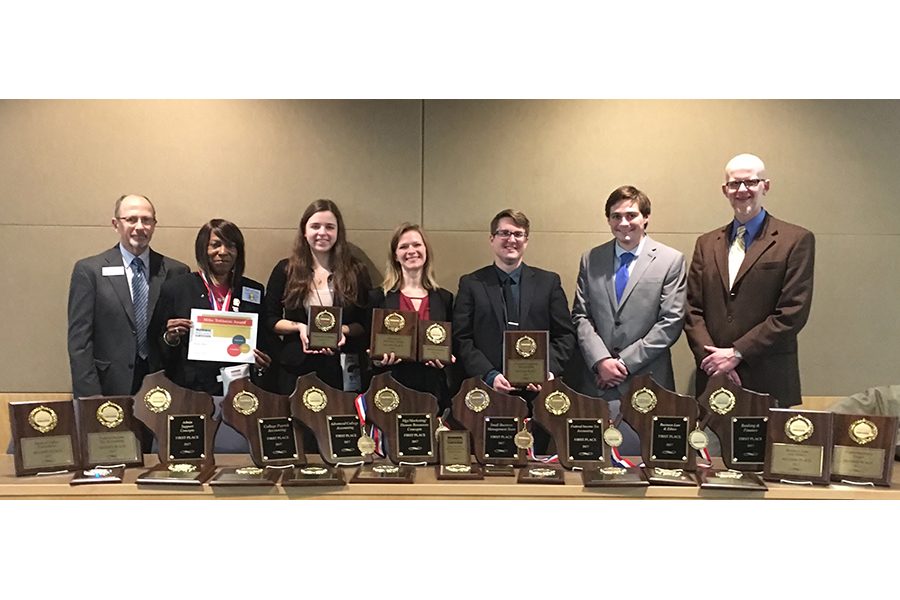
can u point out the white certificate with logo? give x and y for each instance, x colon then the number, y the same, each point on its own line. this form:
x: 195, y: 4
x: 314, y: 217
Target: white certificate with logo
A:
x: 222, y: 336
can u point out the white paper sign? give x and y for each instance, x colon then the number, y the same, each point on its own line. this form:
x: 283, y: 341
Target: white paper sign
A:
x: 223, y: 336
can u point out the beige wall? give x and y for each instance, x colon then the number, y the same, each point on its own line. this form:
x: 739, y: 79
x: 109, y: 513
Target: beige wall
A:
x: 834, y: 167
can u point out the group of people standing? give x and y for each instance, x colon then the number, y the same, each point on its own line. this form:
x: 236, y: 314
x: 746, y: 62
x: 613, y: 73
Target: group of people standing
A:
x: 741, y: 303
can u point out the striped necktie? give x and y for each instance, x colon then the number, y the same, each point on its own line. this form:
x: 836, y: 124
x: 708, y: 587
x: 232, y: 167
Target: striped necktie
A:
x: 140, y: 298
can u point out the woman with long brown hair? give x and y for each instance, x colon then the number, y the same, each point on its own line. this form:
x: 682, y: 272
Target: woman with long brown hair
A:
x: 319, y: 272
x: 409, y: 284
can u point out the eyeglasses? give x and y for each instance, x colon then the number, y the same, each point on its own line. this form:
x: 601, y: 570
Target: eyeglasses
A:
x: 748, y: 183
x: 505, y: 234
x: 145, y: 221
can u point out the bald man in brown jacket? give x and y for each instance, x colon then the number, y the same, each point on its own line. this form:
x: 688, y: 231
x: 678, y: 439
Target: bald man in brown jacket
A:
x: 749, y: 295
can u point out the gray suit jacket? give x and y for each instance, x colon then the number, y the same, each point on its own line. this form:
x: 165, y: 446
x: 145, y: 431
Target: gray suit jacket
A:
x: 102, y: 337
x: 643, y: 326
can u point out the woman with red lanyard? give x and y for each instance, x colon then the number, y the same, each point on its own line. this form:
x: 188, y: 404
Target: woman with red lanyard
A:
x: 409, y: 284
x: 218, y: 284
x: 319, y: 272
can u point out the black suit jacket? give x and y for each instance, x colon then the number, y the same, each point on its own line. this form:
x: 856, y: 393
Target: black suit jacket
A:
x: 102, y: 338
x: 177, y: 298
x: 478, y: 322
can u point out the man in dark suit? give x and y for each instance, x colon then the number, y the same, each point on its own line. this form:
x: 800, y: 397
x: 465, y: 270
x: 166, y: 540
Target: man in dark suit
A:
x: 509, y: 295
x: 749, y: 291
x: 111, y: 301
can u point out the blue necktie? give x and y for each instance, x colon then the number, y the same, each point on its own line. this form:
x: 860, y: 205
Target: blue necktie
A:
x: 139, y: 296
x: 622, y: 274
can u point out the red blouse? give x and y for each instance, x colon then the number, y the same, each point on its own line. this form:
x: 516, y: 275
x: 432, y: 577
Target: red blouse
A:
x: 407, y: 304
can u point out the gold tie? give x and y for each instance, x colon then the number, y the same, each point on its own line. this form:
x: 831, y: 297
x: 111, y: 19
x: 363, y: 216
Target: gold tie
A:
x: 736, y: 255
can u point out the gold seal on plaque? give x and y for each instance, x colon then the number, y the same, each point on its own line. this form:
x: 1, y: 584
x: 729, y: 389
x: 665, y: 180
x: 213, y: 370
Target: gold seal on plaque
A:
x: 365, y: 444
x: 613, y: 470
x: 799, y: 428
x: 317, y: 471
x: 394, y: 322
x: 43, y: 419
x: 863, y: 431
x: 249, y: 471
x: 245, y: 403
x: 526, y: 346
x: 722, y: 401
x: 314, y: 399
x: 158, y: 399
x: 557, y: 403
x: 458, y: 468
x: 324, y: 321
x: 477, y: 400
x: 436, y: 333
x: 612, y: 437
x: 643, y: 400
x: 110, y: 414
x: 659, y: 471
x: 386, y: 469
x: 387, y: 399
x: 523, y: 439
x: 698, y: 439
x: 182, y: 468
x: 542, y: 472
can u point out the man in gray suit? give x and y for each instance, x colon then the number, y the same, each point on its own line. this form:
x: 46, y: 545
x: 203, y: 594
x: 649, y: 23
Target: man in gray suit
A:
x: 629, y: 300
x: 111, y: 301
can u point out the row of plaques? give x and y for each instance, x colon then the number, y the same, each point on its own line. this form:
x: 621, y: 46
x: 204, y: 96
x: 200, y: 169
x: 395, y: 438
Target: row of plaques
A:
x: 786, y: 445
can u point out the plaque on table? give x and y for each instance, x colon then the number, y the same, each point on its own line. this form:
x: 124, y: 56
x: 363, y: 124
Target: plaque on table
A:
x: 313, y: 475
x: 44, y: 437
x: 98, y: 475
x: 456, y: 456
x: 435, y: 341
x: 863, y: 449
x: 541, y: 474
x: 730, y: 479
x: 246, y: 476
x: 324, y: 327
x: 799, y: 446
x: 264, y: 420
x: 494, y: 419
x: 739, y: 418
x: 394, y: 331
x: 182, y: 422
x: 575, y: 422
x: 108, y: 433
x: 614, y: 477
x: 384, y: 473
x: 666, y: 423
x: 672, y: 477
x: 526, y: 357
x: 332, y: 417
x: 406, y: 417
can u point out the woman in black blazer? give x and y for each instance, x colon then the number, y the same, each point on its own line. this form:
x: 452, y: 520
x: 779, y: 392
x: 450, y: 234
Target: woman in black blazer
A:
x: 218, y: 284
x: 409, y: 284
x: 320, y: 272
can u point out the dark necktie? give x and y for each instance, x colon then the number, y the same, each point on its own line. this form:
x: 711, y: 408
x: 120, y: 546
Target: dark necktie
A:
x: 139, y: 296
x: 622, y: 274
x: 512, y: 307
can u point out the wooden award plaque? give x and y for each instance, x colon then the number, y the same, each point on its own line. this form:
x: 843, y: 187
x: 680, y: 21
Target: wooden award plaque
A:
x: 332, y: 417
x: 575, y: 422
x: 739, y: 417
x: 44, y: 437
x: 455, y: 450
x: 799, y: 446
x: 435, y: 341
x: 493, y: 419
x: 181, y: 419
x: 265, y: 420
x: 324, y: 327
x: 863, y: 449
x: 526, y: 357
x: 406, y: 417
x: 108, y: 433
x: 664, y: 421
x: 394, y: 331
